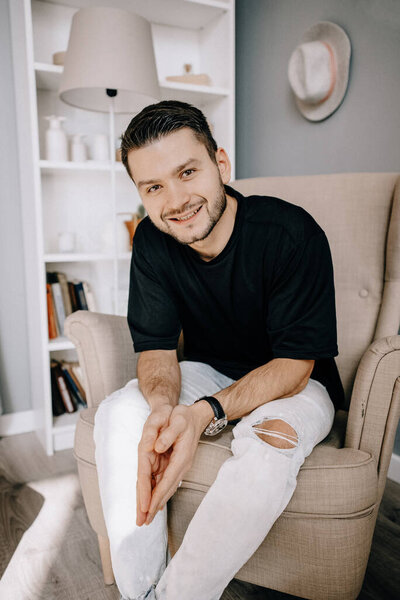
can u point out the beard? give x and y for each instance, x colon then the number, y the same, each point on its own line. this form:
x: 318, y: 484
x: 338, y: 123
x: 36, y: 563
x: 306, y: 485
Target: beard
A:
x: 214, y: 213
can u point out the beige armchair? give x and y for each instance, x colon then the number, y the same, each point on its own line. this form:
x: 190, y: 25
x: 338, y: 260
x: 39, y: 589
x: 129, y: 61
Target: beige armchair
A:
x: 319, y: 546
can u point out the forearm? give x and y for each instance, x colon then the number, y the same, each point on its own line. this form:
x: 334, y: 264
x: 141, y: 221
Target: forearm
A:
x: 279, y: 378
x: 159, y: 377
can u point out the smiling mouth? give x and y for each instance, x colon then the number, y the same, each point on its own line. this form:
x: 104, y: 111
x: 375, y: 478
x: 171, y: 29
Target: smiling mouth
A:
x: 188, y: 217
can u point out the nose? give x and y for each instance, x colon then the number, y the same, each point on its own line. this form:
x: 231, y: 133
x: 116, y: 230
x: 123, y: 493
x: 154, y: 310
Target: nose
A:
x: 178, y: 200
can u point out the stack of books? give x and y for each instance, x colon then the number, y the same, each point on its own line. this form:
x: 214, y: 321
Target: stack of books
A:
x: 63, y: 298
x: 66, y: 387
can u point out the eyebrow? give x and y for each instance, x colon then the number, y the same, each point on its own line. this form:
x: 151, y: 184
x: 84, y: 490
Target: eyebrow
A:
x: 176, y: 170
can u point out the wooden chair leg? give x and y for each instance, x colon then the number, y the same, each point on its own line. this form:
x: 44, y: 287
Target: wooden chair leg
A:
x: 104, y: 547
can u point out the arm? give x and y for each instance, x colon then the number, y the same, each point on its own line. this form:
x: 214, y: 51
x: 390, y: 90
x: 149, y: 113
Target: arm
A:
x: 159, y: 377
x: 279, y: 378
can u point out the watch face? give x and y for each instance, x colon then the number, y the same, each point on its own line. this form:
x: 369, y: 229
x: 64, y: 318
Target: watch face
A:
x: 216, y: 426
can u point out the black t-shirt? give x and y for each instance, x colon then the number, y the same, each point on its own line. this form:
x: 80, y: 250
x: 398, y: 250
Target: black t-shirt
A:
x: 268, y: 294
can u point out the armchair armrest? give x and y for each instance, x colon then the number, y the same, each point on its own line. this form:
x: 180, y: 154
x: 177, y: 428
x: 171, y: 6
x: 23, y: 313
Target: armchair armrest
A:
x: 375, y: 403
x: 105, y: 352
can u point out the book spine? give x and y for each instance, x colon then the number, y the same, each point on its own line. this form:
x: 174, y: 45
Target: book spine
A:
x: 71, y: 384
x: 81, y: 295
x: 62, y: 279
x: 72, y: 295
x: 59, y: 304
x: 69, y: 402
x: 62, y: 386
x: 76, y: 372
x: 51, y: 318
x: 56, y: 399
x: 89, y: 296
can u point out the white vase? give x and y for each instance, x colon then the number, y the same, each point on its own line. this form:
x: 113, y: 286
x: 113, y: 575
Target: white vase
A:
x: 56, y: 139
x: 78, y: 148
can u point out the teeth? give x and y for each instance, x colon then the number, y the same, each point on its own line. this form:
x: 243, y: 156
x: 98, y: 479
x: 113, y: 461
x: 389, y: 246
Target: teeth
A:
x: 188, y: 216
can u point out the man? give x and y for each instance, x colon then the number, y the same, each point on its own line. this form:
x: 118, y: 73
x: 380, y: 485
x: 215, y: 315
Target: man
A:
x: 249, y: 281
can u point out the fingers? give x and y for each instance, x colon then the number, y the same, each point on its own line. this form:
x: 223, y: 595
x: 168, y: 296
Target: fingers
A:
x: 140, y: 515
x: 143, y: 485
x: 167, y: 487
x: 167, y: 437
x: 155, y: 421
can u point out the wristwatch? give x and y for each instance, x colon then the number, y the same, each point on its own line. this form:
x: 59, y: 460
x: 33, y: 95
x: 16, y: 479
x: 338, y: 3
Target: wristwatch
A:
x: 219, y: 421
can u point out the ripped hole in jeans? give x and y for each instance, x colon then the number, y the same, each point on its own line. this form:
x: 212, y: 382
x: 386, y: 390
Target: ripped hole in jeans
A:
x: 276, y: 432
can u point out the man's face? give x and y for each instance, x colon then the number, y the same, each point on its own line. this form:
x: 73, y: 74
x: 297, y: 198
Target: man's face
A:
x: 180, y: 186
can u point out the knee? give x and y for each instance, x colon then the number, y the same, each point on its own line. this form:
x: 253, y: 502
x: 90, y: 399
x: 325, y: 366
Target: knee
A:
x: 277, y: 432
x: 125, y: 406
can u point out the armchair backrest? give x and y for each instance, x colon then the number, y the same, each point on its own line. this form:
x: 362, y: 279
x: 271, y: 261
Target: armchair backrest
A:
x: 360, y: 214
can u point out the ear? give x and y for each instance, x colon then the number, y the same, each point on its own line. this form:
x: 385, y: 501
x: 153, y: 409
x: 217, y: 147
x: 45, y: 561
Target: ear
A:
x: 224, y: 165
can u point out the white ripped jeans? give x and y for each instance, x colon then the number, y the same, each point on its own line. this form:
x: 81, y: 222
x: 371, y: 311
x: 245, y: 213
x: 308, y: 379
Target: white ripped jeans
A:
x: 251, y: 490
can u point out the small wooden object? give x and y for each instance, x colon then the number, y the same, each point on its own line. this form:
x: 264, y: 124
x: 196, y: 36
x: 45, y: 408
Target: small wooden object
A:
x: 189, y: 77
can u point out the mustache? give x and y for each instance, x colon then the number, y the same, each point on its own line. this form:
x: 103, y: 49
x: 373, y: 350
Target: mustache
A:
x: 187, y: 210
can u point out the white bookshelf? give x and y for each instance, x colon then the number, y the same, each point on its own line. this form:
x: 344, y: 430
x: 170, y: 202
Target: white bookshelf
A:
x: 69, y: 196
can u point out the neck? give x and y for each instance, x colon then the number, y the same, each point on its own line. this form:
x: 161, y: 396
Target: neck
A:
x: 214, y: 243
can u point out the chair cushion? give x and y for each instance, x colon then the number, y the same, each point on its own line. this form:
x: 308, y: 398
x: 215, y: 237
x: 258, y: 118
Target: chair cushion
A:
x: 333, y: 481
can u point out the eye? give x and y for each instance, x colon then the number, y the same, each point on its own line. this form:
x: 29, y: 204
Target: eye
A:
x: 190, y: 171
x: 152, y: 187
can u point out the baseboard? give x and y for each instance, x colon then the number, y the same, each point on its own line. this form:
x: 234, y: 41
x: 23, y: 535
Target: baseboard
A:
x: 17, y: 422
x: 394, y: 468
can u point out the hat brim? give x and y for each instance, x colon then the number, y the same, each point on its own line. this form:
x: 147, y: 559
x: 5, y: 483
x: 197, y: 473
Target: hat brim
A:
x: 337, y: 38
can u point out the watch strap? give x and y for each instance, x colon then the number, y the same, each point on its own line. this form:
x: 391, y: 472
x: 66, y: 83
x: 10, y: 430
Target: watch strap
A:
x: 215, y: 405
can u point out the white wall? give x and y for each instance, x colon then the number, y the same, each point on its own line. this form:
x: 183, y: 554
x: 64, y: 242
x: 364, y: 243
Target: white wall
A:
x: 14, y: 361
x: 272, y: 137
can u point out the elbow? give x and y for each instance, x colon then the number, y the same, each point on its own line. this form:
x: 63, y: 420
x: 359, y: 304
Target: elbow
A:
x: 305, y: 375
x: 309, y: 366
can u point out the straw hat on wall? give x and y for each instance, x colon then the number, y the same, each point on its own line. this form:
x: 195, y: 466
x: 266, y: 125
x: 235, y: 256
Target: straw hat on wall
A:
x: 318, y: 70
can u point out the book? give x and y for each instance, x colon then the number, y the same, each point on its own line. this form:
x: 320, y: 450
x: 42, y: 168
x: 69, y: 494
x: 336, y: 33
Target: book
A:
x: 73, y: 297
x: 91, y: 303
x: 80, y: 294
x: 59, y: 306
x: 51, y: 316
x: 62, y: 280
x: 56, y: 399
x: 69, y: 402
x: 76, y: 373
x: 73, y: 388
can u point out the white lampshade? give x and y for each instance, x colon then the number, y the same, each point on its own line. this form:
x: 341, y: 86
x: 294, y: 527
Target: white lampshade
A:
x: 109, y: 48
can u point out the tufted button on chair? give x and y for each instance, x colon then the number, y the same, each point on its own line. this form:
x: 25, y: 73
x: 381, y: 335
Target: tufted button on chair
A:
x: 319, y: 546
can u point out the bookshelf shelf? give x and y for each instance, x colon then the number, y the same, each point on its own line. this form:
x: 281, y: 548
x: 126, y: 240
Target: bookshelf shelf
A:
x: 88, y: 257
x: 61, y: 197
x: 189, y: 92
x: 47, y: 166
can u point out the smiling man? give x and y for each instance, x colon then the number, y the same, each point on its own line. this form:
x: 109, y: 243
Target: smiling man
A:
x: 249, y: 282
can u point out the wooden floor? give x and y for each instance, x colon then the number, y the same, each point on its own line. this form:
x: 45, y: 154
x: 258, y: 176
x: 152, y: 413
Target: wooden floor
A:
x: 48, y: 550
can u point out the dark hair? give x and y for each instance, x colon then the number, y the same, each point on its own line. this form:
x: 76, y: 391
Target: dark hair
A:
x: 158, y: 120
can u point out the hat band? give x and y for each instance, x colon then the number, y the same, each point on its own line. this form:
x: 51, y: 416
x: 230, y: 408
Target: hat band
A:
x: 333, y: 74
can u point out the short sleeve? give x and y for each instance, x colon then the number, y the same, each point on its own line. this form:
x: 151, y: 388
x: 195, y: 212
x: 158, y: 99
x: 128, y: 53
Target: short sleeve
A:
x: 152, y: 312
x: 301, y: 319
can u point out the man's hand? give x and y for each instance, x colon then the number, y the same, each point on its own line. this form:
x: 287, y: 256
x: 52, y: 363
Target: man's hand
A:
x: 151, y: 464
x: 178, y: 444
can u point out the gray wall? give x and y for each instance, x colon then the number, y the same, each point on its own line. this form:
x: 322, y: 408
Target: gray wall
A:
x: 272, y: 137
x: 14, y: 360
